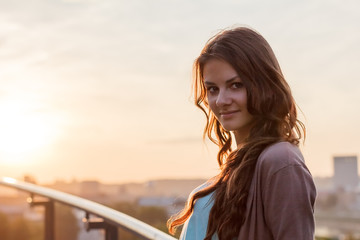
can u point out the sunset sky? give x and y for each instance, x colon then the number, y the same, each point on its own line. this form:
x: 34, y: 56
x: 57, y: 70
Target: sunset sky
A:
x: 101, y: 89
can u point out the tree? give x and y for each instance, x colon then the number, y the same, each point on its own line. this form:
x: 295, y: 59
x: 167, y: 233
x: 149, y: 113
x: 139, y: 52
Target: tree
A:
x: 152, y: 215
x: 126, y: 207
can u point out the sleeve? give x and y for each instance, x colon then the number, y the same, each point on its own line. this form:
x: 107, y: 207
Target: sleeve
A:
x: 289, y: 198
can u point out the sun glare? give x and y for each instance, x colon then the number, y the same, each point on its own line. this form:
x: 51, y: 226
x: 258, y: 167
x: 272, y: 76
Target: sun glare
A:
x: 24, y: 130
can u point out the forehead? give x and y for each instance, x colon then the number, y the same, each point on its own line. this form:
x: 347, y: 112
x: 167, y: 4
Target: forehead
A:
x: 216, y: 70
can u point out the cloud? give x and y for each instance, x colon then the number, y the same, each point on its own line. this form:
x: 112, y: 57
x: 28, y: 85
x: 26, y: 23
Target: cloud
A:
x: 176, y: 141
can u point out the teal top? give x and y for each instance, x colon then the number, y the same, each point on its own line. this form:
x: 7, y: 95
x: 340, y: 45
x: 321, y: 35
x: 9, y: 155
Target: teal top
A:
x: 196, y: 225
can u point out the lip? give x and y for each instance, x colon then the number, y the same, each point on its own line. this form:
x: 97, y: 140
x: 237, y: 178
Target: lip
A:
x: 228, y: 114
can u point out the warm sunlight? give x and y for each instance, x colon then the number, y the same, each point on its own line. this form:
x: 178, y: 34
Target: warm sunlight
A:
x: 25, y: 129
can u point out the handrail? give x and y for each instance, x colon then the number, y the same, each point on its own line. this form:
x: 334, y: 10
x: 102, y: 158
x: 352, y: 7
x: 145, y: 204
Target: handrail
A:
x: 108, y: 214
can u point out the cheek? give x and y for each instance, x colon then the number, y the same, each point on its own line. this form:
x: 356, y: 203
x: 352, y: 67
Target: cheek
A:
x: 212, y: 104
x: 241, y: 99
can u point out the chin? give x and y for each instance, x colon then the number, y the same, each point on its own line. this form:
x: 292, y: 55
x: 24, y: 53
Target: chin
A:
x: 229, y: 128
x: 236, y: 127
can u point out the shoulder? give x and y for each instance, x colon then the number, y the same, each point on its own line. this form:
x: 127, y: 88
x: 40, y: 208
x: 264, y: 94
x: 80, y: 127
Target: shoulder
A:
x: 280, y: 155
x: 199, y: 188
x: 202, y: 204
x: 287, y: 192
x: 283, y: 175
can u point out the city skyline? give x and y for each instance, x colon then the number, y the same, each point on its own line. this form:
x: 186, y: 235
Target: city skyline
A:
x: 101, y: 89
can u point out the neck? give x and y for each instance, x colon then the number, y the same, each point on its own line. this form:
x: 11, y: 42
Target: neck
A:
x: 240, y: 139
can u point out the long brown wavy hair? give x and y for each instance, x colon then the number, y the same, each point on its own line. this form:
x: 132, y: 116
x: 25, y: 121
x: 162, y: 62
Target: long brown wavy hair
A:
x: 269, y: 100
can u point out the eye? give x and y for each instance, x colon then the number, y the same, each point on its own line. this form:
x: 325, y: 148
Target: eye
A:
x: 236, y: 85
x: 211, y: 89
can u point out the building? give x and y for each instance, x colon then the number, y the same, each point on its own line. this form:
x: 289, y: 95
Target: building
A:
x: 346, y: 172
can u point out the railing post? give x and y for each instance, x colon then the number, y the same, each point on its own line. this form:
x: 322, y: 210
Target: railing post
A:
x: 49, y: 218
x: 111, y: 231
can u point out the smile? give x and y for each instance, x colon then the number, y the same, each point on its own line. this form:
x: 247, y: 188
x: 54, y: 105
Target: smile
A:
x: 228, y: 114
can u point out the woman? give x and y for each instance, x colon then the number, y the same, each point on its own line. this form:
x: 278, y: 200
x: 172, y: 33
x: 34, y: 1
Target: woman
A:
x: 264, y: 190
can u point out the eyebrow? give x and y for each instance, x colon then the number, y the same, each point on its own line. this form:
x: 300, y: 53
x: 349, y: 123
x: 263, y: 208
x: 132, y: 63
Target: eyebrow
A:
x: 227, y: 81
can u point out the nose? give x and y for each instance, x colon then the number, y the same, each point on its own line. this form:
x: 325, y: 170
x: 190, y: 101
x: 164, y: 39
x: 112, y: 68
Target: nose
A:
x: 223, y: 99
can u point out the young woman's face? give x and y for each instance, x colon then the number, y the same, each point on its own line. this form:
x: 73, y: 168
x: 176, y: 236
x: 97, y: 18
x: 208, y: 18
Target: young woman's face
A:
x: 227, y: 96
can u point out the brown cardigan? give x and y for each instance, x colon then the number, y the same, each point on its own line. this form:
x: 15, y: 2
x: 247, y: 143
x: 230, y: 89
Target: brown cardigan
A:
x: 281, y: 198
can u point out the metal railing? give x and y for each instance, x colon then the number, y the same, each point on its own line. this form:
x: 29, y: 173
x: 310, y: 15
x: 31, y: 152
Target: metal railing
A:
x: 111, y: 219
